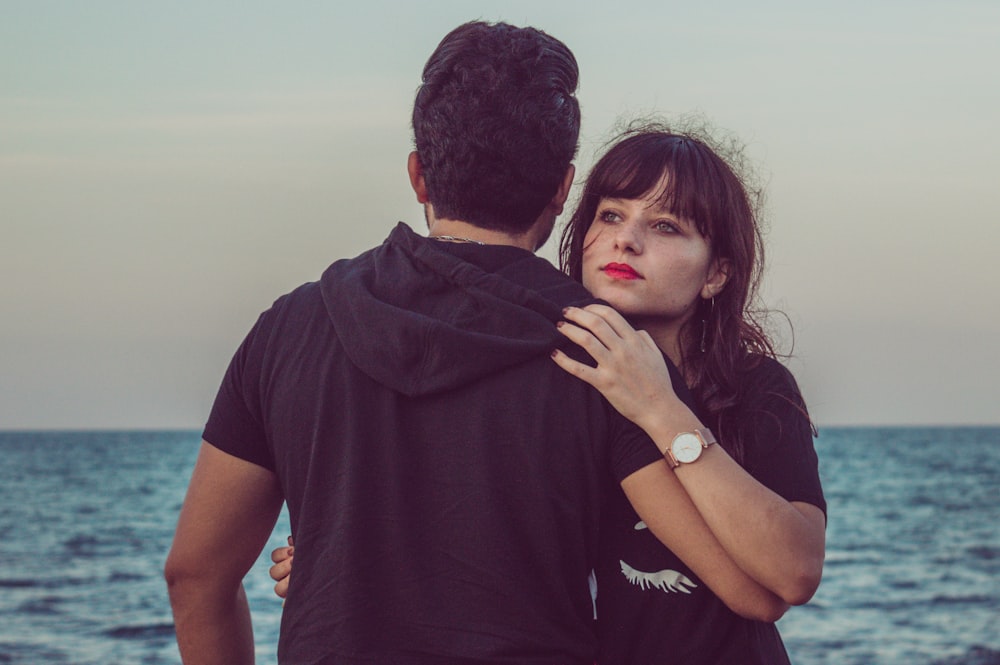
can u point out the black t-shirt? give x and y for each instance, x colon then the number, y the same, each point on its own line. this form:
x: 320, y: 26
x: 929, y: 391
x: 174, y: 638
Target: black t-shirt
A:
x: 444, y: 477
x: 651, y: 608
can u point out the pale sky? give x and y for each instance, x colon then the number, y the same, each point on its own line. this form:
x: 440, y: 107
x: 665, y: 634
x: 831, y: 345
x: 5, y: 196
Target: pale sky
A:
x: 168, y: 169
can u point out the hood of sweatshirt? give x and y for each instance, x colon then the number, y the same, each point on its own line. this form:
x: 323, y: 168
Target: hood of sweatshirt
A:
x: 418, y: 317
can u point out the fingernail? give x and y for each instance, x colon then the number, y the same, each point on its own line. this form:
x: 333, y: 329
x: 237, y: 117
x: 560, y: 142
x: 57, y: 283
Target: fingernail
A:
x: 560, y: 324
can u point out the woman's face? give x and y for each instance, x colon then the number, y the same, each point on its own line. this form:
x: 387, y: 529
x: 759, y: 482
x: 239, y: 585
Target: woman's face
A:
x: 651, y: 265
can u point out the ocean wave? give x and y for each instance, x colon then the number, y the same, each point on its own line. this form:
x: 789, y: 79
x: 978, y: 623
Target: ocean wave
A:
x: 118, y: 577
x: 984, y: 552
x: 18, y: 584
x: 46, y: 605
x: 42, y: 583
x: 142, y: 632
x: 14, y: 652
x: 977, y: 655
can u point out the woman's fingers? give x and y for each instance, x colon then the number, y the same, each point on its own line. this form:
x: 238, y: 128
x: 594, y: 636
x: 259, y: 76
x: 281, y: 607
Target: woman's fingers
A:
x: 594, y: 321
x: 281, y: 588
x: 281, y: 569
x: 282, y: 553
x: 281, y: 573
x: 584, y: 338
x: 611, y: 317
x: 575, y: 367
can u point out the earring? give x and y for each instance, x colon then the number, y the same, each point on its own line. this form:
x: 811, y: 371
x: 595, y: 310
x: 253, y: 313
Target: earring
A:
x: 704, y: 325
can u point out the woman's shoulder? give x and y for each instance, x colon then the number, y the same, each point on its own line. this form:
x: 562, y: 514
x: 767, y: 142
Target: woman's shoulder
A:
x: 770, y: 395
x: 763, y: 375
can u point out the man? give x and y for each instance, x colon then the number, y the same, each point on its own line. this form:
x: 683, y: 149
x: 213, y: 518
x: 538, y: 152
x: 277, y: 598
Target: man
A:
x: 443, y: 476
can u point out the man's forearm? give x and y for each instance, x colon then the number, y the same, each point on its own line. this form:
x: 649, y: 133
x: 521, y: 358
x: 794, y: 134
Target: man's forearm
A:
x: 229, y: 512
x: 213, y: 625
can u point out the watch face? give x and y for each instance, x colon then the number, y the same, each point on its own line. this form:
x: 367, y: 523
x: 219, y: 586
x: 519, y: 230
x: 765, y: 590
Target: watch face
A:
x: 686, y: 447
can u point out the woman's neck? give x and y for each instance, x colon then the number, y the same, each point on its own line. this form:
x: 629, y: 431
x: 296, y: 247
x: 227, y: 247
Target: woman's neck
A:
x: 672, y: 337
x: 666, y: 334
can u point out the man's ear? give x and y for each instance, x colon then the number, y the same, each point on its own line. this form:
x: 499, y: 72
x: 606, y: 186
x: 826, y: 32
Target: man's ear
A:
x: 416, y: 172
x: 718, y: 275
x: 559, y: 200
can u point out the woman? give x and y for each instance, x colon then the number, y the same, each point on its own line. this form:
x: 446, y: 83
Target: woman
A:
x: 666, y: 233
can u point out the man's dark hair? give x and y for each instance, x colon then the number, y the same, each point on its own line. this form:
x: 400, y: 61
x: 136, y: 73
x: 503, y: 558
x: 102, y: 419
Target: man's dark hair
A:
x: 496, y: 124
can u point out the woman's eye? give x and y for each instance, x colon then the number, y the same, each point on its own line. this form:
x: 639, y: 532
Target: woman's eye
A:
x: 608, y: 216
x: 665, y: 227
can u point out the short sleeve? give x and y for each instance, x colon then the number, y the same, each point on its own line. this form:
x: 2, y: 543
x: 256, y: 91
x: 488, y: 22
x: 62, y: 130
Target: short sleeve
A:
x: 235, y: 423
x: 781, y: 454
x: 633, y: 449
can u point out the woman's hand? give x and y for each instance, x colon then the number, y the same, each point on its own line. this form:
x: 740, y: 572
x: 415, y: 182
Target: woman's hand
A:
x: 631, y: 372
x: 281, y: 571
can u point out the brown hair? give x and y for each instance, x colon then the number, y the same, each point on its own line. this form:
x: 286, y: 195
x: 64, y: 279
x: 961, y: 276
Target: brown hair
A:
x: 716, y: 195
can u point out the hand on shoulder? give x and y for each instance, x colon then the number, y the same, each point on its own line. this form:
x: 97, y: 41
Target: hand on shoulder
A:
x: 631, y: 371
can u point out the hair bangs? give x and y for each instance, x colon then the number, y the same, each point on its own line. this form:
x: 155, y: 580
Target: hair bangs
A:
x: 670, y: 169
x: 629, y: 175
x: 689, y: 188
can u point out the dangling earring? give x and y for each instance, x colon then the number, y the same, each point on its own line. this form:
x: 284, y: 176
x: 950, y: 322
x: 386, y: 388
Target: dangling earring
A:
x: 704, y: 325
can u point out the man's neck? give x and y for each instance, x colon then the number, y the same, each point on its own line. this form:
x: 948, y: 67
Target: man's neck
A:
x: 459, y: 231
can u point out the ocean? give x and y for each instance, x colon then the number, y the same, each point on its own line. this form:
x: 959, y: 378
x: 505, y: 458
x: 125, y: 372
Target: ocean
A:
x: 912, y: 574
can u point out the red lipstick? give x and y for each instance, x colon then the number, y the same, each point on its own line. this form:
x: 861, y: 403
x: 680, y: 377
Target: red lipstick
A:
x: 620, y: 271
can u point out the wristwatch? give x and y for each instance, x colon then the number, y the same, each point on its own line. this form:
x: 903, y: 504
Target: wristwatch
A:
x: 687, y: 446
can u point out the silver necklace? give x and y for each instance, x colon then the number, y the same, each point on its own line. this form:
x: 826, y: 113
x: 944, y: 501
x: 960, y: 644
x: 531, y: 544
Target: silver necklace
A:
x: 457, y: 239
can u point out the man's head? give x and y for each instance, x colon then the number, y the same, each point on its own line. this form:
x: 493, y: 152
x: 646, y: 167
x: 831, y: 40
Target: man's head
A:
x: 496, y: 124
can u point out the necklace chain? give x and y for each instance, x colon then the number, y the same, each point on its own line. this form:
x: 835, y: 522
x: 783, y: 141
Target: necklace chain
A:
x: 457, y: 239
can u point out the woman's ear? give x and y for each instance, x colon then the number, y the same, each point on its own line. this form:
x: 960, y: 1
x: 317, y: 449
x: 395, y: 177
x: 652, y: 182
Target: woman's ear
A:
x: 715, y: 281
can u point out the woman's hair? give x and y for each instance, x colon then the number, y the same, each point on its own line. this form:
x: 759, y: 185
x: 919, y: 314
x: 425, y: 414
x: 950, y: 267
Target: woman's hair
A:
x: 725, y: 338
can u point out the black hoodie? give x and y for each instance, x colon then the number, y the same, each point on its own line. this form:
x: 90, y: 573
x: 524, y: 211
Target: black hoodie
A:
x: 443, y: 476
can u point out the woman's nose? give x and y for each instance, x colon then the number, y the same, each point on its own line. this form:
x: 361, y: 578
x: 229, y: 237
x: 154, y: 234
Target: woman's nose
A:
x: 628, y: 238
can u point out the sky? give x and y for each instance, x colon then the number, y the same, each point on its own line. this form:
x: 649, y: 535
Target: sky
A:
x: 168, y: 169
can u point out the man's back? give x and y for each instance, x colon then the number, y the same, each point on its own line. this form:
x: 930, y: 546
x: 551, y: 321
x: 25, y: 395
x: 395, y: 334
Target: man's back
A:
x: 443, y: 476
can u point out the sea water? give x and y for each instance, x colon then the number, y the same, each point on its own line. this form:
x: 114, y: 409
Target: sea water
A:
x: 912, y: 575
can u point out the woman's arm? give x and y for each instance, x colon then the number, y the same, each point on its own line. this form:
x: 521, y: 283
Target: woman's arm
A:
x: 779, y: 544
x: 661, y: 502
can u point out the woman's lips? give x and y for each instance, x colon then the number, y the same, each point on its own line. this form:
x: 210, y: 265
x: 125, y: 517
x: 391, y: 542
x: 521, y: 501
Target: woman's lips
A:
x: 620, y: 271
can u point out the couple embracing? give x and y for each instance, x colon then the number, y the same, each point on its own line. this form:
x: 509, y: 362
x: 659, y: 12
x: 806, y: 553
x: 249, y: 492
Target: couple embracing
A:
x: 466, y: 437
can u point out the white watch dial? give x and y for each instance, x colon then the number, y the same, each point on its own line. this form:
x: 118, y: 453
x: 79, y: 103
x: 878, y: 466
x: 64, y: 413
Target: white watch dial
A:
x: 686, y: 448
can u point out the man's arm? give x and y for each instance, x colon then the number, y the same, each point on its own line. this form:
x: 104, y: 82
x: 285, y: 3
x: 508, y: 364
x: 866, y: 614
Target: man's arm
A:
x: 228, y: 515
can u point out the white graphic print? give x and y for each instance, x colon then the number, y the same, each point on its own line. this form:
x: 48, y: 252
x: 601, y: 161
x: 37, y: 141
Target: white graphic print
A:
x: 665, y: 580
